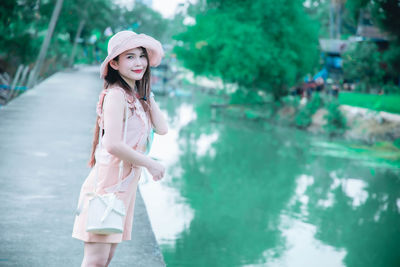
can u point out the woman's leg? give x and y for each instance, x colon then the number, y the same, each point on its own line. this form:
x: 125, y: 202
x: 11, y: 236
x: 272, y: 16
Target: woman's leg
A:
x: 96, y: 254
x: 112, y: 250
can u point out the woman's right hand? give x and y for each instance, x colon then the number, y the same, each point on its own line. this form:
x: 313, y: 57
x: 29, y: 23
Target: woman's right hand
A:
x: 156, y: 170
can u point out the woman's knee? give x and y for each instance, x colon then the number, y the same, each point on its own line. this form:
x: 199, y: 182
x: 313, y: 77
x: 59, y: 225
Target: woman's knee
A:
x: 96, y: 254
x: 96, y: 262
x: 111, y: 254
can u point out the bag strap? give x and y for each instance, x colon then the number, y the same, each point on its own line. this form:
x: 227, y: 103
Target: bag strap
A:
x: 121, y: 164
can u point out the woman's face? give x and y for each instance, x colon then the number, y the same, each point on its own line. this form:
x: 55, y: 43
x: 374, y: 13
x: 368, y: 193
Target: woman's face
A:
x: 131, y: 64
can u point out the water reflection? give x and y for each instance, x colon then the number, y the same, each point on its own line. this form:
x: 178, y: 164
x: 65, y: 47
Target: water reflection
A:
x: 384, y: 156
x: 302, y: 248
x: 356, y: 215
x: 246, y: 194
x: 204, y: 145
x: 169, y: 213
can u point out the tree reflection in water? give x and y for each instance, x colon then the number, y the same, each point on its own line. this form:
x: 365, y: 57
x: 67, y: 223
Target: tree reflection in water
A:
x: 245, y: 181
x: 356, y: 210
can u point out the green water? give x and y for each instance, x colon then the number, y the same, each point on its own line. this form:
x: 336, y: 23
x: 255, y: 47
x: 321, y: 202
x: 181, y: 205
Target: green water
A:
x: 243, y: 193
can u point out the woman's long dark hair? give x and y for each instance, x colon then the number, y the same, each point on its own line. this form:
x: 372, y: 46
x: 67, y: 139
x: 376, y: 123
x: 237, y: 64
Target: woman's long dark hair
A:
x: 114, y: 78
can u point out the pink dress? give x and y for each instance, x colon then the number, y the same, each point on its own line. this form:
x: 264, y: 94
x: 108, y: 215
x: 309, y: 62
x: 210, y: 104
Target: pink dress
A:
x: 138, y: 130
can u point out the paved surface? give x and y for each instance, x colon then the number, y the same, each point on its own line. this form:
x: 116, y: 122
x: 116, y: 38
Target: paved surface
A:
x: 45, y: 141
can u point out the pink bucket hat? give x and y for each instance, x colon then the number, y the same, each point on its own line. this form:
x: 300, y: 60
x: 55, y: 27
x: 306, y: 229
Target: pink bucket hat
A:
x: 125, y: 40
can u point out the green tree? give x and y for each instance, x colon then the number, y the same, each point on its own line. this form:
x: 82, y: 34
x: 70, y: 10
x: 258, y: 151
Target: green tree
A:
x: 21, y: 23
x: 143, y: 19
x: 385, y: 14
x: 23, y: 31
x: 25, y: 23
x: 362, y: 63
x: 260, y: 45
x: 323, y: 11
x: 388, y: 14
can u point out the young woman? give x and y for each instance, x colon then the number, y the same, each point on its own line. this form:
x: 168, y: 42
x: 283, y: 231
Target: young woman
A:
x: 126, y: 74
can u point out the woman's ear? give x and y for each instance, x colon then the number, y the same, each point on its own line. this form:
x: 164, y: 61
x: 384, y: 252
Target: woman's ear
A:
x: 114, y: 64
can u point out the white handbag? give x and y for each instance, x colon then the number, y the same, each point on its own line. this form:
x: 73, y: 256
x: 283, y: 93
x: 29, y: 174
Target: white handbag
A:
x: 106, y: 212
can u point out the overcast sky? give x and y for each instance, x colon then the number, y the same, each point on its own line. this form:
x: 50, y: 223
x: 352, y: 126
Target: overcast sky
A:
x: 165, y: 7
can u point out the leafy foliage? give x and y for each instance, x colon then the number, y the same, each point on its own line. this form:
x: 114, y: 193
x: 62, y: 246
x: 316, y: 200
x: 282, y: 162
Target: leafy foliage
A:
x: 20, y: 26
x: 320, y: 9
x: 24, y: 26
x: 265, y: 45
x: 362, y: 63
x: 336, y: 121
x: 391, y: 59
x: 143, y: 19
x: 304, y: 116
x: 242, y: 96
x: 385, y: 14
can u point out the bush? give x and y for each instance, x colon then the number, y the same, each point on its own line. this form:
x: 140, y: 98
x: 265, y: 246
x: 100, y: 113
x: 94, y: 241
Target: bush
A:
x: 362, y: 63
x: 242, y: 96
x: 290, y: 100
x: 303, y: 118
x: 390, y: 88
x: 335, y: 120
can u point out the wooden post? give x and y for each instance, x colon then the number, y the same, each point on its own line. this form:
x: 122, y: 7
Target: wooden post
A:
x: 45, y: 45
x: 6, y: 77
x: 3, y: 79
x: 15, y: 81
x: 21, y: 81
x: 24, y: 75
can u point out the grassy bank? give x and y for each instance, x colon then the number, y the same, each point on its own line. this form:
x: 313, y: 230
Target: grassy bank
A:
x: 388, y: 103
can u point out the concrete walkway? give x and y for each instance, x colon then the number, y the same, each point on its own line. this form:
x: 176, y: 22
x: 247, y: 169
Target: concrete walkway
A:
x: 45, y: 142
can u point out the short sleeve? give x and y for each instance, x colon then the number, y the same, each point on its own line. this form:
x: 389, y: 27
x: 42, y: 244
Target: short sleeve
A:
x: 100, y: 103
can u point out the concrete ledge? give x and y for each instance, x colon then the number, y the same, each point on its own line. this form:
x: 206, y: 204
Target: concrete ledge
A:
x: 354, y: 111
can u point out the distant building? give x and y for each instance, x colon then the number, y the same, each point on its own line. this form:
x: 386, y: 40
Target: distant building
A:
x: 331, y: 54
x: 367, y: 31
x: 332, y: 49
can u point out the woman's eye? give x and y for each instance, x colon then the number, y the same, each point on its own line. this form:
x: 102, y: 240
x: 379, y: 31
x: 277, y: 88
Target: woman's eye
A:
x: 142, y: 56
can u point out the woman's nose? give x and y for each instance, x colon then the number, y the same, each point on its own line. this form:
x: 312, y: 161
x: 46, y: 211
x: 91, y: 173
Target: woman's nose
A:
x: 137, y: 61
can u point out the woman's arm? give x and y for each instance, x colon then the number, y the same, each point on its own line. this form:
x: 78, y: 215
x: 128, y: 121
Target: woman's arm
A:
x: 114, y: 108
x: 157, y: 118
